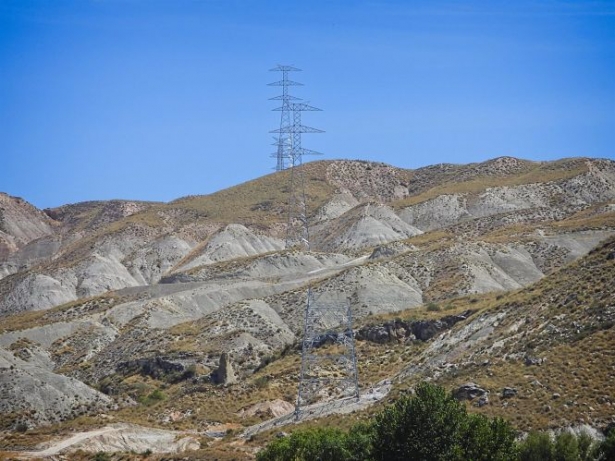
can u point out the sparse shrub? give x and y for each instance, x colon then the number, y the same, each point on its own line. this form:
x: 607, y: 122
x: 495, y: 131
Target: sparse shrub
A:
x: 433, y: 307
x: 102, y: 456
x: 153, y: 397
x: 261, y: 382
x: 21, y: 427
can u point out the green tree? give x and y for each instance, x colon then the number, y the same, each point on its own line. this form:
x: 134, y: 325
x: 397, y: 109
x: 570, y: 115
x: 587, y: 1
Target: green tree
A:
x: 324, y: 444
x: 430, y: 425
x: 586, y: 444
x: 605, y: 451
x: 536, y: 447
x: 426, y: 426
x: 566, y: 447
x: 360, y: 440
x: 487, y: 439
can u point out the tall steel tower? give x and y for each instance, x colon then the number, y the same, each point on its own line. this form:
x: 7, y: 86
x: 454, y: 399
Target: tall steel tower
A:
x: 327, y: 373
x: 297, y: 230
x: 283, y: 141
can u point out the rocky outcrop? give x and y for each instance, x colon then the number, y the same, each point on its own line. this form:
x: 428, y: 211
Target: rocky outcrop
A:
x: 509, y: 392
x: 224, y: 374
x: 154, y: 367
x: 469, y: 391
x: 269, y: 409
x: 369, y: 180
x: 400, y: 330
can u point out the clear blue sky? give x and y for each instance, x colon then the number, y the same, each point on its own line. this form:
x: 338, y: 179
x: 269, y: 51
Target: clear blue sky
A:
x: 157, y: 99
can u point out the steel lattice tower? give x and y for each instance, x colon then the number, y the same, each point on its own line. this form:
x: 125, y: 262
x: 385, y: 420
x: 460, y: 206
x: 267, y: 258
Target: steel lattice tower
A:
x: 297, y: 231
x: 325, y: 372
x: 329, y: 373
x: 283, y: 142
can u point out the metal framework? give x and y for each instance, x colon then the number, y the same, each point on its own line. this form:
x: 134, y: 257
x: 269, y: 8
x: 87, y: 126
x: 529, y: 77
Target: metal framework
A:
x: 297, y: 230
x: 327, y: 373
x: 283, y: 141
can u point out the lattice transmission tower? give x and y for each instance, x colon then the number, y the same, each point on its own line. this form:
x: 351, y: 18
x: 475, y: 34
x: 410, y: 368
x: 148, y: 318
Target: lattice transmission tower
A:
x: 297, y: 230
x: 283, y: 141
x: 329, y: 373
x: 326, y: 373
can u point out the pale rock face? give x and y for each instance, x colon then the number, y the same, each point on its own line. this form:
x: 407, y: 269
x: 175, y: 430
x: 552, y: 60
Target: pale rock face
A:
x: 149, y: 263
x: 336, y: 207
x: 21, y: 222
x: 101, y: 274
x: 33, y: 252
x: 593, y: 187
x: 234, y: 241
x: 96, y: 275
x: 363, y: 227
x: 441, y: 211
x: 292, y: 264
x: 137, y: 439
x: 502, y: 269
x: 370, y: 290
x: 37, y: 292
x: 26, y: 386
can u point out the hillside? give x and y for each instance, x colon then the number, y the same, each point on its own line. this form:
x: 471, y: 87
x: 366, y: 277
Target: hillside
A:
x: 125, y: 307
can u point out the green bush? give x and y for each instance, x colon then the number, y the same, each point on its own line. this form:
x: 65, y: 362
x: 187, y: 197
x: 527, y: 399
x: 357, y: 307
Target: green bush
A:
x: 324, y: 444
x: 586, y: 445
x: 430, y: 425
x: 425, y: 426
x: 153, y: 397
x: 606, y: 450
x: 487, y: 439
x: 566, y: 447
x: 537, y: 446
x: 102, y: 456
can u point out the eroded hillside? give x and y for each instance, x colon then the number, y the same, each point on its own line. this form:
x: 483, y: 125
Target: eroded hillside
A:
x: 127, y: 307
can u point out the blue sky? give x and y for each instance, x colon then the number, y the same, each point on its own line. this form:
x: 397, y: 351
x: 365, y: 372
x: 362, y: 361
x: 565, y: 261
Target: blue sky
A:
x: 157, y: 99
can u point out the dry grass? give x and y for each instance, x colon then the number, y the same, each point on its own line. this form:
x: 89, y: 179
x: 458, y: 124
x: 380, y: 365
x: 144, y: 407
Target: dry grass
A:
x: 64, y: 312
x: 574, y: 386
x: 567, y: 320
x: 536, y: 173
x: 258, y: 201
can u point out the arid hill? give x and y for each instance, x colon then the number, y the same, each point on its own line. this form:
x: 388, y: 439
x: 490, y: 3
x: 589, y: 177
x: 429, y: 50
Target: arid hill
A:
x: 125, y: 307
